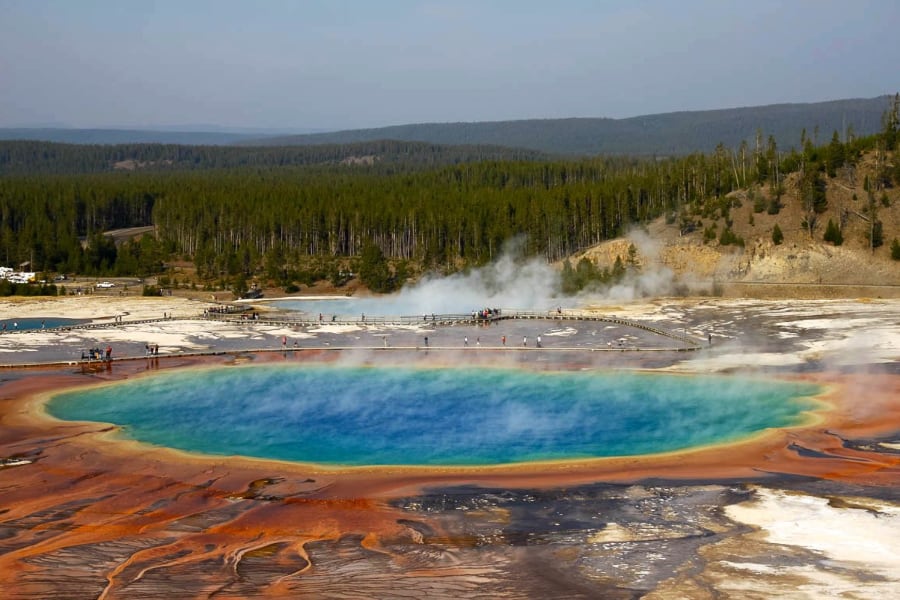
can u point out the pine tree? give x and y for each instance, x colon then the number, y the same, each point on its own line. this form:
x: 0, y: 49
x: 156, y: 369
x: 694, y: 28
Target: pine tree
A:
x: 777, y: 236
x: 835, y: 156
x: 618, y: 270
x: 373, y: 269
x: 890, y: 121
x: 585, y: 273
x: 876, y: 234
x: 239, y: 285
x: 833, y: 234
x: 569, y: 280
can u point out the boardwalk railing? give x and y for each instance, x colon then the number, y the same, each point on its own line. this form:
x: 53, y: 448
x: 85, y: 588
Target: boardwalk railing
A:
x: 435, y: 320
x: 452, y: 319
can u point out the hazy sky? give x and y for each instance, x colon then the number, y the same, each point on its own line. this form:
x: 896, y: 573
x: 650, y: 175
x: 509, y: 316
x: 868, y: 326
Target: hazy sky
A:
x: 287, y: 64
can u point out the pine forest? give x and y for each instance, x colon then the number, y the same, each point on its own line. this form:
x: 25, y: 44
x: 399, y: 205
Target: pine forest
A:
x: 295, y: 215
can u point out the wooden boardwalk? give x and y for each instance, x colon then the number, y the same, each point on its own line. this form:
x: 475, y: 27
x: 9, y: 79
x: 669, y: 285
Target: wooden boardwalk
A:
x: 443, y: 320
x: 450, y: 320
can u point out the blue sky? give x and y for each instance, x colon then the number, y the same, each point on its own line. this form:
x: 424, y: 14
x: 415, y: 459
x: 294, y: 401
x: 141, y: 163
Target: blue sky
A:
x: 287, y: 65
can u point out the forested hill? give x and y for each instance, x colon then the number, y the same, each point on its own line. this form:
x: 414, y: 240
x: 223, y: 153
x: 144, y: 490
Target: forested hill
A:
x: 676, y: 133
x: 297, y: 225
x: 27, y: 157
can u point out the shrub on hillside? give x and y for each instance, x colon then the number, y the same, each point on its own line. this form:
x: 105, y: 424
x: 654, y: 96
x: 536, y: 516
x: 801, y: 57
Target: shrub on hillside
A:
x: 833, y: 234
x: 777, y: 236
x: 759, y: 204
x: 876, y: 235
x: 729, y: 238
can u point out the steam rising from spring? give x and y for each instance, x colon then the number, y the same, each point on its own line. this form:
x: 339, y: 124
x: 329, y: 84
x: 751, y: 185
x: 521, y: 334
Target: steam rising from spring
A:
x: 517, y: 281
x: 510, y: 281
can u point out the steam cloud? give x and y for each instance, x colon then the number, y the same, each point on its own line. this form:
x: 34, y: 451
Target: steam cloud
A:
x: 513, y: 281
x: 653, y: 279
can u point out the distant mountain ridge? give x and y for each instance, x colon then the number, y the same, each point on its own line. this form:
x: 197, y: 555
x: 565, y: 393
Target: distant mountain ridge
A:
x: 125, y: 136
x: 661, y: 134
x: 664, y: 134
x: 185, y: 135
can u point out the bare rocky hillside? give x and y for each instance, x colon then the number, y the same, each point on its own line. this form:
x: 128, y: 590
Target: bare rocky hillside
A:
x: 802, y: 265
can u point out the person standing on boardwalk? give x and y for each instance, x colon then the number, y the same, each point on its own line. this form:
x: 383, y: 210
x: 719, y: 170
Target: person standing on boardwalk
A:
x: 525, y: 340
x: 538, y: 341
x: 503, y: 340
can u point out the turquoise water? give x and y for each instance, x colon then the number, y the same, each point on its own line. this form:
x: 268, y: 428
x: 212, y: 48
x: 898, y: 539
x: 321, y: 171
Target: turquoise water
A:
x: 460, y: 416
x: 37, y: 323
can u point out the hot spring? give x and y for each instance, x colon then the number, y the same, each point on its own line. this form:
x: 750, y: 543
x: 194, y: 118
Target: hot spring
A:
x: 343, y: 415
x: 37, y: 323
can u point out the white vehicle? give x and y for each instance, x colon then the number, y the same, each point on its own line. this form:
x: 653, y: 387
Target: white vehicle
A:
x: 105, y: 285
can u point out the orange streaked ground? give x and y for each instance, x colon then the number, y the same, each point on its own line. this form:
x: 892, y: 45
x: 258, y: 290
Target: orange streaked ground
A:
x: 115, y: 515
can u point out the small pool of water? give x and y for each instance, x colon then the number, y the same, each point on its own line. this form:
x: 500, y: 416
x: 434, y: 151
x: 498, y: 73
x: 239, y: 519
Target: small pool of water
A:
x: 37, y: 323
x: 436, y: 416
x: 344, y: 308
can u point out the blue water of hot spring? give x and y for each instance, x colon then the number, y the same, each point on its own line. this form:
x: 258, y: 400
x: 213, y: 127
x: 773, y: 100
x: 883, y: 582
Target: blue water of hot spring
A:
x: 337, y: 415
